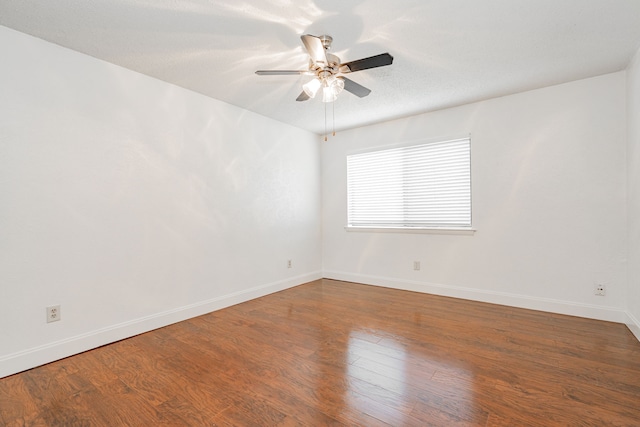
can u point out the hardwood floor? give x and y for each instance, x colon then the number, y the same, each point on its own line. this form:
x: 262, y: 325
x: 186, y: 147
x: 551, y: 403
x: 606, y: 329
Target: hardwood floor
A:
x: 337, y: 353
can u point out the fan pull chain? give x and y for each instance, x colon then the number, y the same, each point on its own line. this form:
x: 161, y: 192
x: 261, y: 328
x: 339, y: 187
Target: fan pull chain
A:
x: 333, y: 112
x: 325, y: 121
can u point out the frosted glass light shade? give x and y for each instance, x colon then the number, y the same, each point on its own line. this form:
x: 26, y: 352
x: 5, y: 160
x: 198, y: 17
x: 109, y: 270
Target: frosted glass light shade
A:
x: 338, y: 86
x: 331, y: 88
x: 312, y: 87
x: 328, y: 95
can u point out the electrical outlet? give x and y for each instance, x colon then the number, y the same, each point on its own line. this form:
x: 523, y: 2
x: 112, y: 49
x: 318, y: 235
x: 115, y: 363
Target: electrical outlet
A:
x: 288, y: 263
x: 53, y: 313
x: 416, y: 265
x: 600, y: 290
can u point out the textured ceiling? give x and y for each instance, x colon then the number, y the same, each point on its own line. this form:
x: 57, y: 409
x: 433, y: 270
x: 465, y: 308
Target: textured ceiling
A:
x: 447, y: 52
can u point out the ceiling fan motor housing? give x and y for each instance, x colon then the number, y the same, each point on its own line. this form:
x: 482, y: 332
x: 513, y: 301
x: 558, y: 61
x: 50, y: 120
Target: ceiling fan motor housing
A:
x: 333, y: 62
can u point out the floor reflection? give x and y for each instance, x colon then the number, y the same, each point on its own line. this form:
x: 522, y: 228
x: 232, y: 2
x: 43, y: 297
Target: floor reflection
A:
x: 394, y: 364
x: 378, y: 385
x: 397, y: 379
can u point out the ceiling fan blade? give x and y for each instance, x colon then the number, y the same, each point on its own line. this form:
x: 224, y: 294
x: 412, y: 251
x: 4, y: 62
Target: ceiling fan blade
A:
x: 366, y: 63
x: 315, y: 48
x: 355, y: 88
x: 281, y: 72
x: 303, y: 96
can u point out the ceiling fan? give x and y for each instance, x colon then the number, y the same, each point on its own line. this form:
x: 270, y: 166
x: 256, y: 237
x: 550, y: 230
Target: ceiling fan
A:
x: 328, y: 70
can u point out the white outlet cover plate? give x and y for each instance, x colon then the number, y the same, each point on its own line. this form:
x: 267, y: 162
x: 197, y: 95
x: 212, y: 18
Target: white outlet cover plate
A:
x: 53, y: 313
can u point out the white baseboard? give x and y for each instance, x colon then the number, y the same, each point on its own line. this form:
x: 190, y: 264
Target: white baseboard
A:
x: 609, y: 314
x: 30, y: 358
x: 634, y: 325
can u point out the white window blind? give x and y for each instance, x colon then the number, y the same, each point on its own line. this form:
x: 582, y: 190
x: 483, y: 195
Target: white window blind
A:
x: 425, y: 186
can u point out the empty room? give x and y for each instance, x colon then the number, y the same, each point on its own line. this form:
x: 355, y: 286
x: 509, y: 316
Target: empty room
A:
x: 278, y: 213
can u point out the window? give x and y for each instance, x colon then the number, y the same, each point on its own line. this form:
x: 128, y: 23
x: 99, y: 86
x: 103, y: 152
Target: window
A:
x: 420, y: 186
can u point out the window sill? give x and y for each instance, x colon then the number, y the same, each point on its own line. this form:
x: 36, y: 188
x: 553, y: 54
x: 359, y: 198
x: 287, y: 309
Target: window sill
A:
x: 419, y: 230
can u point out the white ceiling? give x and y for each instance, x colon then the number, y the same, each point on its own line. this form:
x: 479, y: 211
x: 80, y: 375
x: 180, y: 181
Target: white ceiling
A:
x: 447, y: 52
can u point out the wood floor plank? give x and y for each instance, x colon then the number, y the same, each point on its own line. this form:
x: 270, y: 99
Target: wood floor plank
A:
x: 343, y: 354
x: 17, y: 407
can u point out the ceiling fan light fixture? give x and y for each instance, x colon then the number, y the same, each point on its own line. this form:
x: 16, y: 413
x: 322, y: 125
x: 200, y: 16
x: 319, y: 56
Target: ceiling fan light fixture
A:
x: 312, y: 87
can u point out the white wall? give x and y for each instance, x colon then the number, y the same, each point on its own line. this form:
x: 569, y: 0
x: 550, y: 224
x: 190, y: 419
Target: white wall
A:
x: 133, y: 203
x: 548, y: 178
x: 633, y: 173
